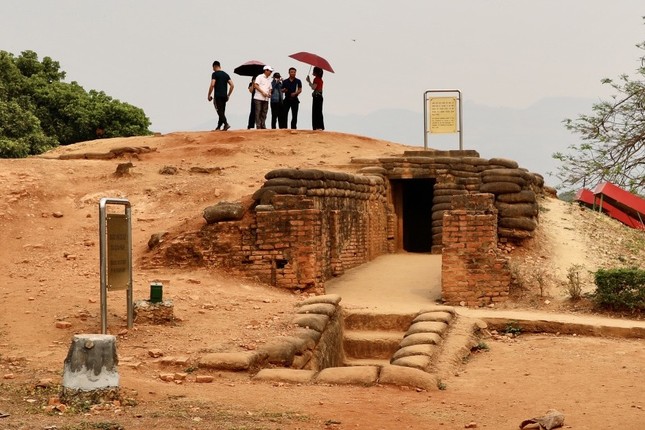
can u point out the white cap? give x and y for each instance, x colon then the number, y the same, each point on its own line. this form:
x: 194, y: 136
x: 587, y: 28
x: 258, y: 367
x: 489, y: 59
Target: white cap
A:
x: 268, y: 68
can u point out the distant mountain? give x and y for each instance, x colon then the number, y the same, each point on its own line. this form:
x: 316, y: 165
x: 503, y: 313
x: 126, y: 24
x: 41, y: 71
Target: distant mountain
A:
x: 530, y: 136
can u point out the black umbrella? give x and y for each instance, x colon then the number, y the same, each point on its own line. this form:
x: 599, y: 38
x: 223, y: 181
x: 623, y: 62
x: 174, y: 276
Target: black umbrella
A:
x: 250, y: 68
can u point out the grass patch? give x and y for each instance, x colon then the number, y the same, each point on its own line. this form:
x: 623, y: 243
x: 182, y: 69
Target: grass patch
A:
x: 512, y: 327
x: 481, y: 346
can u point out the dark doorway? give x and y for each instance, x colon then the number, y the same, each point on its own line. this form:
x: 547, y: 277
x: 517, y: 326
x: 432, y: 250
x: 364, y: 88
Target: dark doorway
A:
x: 413, y: 201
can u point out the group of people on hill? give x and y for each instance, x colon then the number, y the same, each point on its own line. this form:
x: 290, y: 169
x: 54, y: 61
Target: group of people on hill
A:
x: 280, y: 95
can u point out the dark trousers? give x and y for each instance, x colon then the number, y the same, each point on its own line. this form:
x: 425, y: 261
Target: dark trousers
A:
x: 251, y: 123
x: 290, y: 104
x: 261, y: 109
x: 276, y: 115
x: 317, y: 120
x: 220, y: 107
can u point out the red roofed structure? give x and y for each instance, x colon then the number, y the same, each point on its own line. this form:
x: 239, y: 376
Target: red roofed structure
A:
x: 619, y: 204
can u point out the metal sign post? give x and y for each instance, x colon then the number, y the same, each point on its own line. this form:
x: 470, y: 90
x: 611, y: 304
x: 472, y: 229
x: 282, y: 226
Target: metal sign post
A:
x: 115, y: 243
x: 442, y: 115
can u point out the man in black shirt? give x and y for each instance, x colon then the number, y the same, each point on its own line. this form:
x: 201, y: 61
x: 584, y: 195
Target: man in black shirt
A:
x: 292, y: 88
x: 219, y: 81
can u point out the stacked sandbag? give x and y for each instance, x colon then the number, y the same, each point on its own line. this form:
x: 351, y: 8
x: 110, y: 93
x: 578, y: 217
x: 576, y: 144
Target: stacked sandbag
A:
x: 514, y: 198
x: 443, y: 194
x: 320, y: 183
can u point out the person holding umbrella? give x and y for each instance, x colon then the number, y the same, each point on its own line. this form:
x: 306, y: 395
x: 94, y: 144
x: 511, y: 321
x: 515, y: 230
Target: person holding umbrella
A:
x: 251, y: 123
x: 317, y: 120
x: 219, y: 81
x: 319, y: 64
x: 262, y: 96
x: 251, y: 68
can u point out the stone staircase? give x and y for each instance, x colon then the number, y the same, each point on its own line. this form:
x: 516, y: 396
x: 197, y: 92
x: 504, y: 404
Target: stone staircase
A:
x: 333, y: 345
x: 410, y: 340
x: 370, y: 339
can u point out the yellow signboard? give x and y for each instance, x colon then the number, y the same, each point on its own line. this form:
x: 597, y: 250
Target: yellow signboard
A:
x: 442, y: 115
x: 118, y: 252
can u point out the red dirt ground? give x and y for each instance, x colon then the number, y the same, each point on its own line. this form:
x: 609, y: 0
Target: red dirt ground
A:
x: 49, y: 257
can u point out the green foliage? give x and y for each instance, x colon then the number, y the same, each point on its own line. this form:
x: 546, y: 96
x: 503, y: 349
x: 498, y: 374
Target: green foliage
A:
x: 39, y: 111
x: 513, y: 327
x: 613, y: 139
x: 620, y: 289
x: 20, y: 132
x: 481, y: 346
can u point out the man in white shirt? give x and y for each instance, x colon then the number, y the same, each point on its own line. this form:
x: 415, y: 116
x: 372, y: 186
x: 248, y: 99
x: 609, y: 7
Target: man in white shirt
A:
x: 262, y: 96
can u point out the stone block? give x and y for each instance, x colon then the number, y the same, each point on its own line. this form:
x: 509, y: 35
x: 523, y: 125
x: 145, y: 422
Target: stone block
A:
x: 355, y: 375
x: 146, y: 312
x: 235, y: 361
x: 313, y: 321
x: 318, y: 308
x: 407, y: 376
x: 420, y: 339
x: 427, y: 327
x: 295, y: 376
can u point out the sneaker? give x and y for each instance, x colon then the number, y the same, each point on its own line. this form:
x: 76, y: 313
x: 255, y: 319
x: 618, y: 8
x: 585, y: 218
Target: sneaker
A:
x: 226, y: 127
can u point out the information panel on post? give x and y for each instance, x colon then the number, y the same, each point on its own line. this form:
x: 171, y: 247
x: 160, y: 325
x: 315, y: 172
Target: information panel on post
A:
x: 115, y: 247
x: 442, y: 114
x: 118, y: 258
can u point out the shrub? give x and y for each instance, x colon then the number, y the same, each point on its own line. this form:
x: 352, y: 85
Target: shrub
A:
x: 481, y: 346
x: 38, y: 111
x: 574, y: 283
x: 620, y: 289
x: 513, y: 327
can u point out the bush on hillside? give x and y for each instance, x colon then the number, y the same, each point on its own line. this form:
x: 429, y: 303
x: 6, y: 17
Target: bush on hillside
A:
x: 620, y: 289
x: 39, y: 111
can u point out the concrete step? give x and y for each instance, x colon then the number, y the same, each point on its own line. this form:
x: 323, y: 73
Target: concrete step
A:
x: 371, y: 343
x: 369, y: 320
x: 366, y: 362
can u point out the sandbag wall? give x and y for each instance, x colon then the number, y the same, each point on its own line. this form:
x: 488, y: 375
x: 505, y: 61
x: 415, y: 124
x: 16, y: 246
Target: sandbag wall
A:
x: 441, y: 202
x: 299, y: 229
x: 515, y: 200
x: 464, y: 172
x: 354, y: 213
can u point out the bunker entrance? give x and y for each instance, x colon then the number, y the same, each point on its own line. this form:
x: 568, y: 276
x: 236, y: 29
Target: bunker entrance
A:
x: 413, y: 206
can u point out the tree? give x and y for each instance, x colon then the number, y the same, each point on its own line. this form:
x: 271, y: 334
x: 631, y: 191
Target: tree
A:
x: 39, y: 111
x: 613, y: 139
x: 20, y: 132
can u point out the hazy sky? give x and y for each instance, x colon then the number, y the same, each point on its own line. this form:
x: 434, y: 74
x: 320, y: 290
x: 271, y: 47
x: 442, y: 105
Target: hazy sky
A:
x: 157, y: 54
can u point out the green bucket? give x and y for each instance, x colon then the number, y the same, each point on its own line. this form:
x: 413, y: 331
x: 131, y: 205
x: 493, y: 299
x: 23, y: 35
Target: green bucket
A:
x: 156, y: 292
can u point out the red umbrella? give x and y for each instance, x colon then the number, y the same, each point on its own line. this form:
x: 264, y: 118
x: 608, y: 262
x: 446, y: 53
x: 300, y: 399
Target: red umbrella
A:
x: 250, y: 68
x: 313, y: 60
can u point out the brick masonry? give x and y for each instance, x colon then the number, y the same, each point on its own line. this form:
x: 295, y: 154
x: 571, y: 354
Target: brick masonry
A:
x: 473, y: 269
x: 303, y: 227
x: 308, y: 227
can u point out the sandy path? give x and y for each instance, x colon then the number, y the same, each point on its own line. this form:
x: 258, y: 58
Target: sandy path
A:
x: 565, y: 242
x: 404, y: 282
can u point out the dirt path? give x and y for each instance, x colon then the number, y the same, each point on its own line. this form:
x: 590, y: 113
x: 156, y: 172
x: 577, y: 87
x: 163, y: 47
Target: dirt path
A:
x: 403, y: 282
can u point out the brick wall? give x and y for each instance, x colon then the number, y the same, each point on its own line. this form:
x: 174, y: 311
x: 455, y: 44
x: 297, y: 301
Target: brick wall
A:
x: 307, y: 226
x: 473, y: 270
x: 310, y: 227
